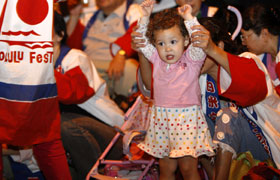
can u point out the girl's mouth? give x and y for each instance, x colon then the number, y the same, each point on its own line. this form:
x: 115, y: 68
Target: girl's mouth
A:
x: 170, y: 57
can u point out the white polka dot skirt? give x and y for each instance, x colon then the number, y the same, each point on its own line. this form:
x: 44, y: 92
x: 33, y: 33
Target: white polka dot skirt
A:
x: 177, y: 132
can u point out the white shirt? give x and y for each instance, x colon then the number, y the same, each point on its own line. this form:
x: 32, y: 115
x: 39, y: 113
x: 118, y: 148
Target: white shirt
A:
x: 106, y: 30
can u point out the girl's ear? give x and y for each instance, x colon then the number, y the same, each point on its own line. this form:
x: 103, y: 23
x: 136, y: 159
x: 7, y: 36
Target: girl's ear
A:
x: 187, y: 41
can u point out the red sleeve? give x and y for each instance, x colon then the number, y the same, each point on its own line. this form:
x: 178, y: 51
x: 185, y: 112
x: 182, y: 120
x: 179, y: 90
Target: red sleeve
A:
x: 125, y: 41
x: 73, y: 87
x: 75, y: 39
x: 248, y: 85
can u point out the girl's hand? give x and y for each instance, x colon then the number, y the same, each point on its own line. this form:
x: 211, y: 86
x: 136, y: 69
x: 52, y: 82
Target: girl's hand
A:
x: 185, y: 12
x: 147, y: 7
x: 201, y: 37
x: 137, y: 40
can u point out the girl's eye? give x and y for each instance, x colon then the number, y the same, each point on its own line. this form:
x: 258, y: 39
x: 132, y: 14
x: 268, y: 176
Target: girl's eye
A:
x: 160, y: 43
x: 173, y: 42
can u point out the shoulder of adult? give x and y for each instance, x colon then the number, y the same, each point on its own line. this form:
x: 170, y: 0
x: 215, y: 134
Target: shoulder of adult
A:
x: 78, y: 53
x: 256, y: 59
x: 74, y: 58
x: 262, y: 67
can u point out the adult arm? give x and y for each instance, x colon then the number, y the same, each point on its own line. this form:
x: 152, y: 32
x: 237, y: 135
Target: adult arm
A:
x: 201, y: 38
x: 72, y: 87
x: 78, y: 79
x: 75, y: 28
x: 246, y: 85
x: 239, y: 79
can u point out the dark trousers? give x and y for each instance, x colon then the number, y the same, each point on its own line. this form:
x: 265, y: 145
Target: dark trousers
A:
x: 84, y: 139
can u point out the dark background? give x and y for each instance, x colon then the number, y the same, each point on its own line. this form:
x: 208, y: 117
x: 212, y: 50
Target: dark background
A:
x: 241, y: 4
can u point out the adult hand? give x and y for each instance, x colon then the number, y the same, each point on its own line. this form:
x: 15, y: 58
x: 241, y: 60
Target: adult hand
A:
x: 201, y: 37
x: 137, y: 40
x: 116, y: 68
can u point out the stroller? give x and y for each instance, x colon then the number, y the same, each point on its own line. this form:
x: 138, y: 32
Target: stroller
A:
x: 133, y: 129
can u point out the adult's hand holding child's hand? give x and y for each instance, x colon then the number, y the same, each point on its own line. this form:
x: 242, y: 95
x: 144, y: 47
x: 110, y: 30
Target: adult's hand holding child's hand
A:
x: 137, y: 40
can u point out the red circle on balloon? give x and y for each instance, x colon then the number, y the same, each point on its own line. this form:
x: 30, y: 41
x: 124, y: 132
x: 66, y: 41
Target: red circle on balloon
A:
x: 32, y: 12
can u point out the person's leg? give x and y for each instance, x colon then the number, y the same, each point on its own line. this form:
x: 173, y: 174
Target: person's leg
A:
x: 233, y: 135
x: 167, y: 168
x: 222, y: 164
x: 205, y: 160
x: 83, y: 148
x: 207, y: 165
x: 188, y: 167
x: 52, y: 160
x: 103, y: 134
x: 228, y: 136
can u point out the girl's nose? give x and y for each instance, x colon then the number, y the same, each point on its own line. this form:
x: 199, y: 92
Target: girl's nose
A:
x: 167, y: 48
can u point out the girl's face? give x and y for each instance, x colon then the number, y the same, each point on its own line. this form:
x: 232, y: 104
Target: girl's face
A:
x: 170, y: 44
x: 254, y: 43
x: 195, y: 4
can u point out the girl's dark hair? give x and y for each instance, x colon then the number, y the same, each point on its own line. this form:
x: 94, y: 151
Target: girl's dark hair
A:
x: 164, y: 20
x: 258, y: 17
x: 219, y: 33
x: 60, y: 27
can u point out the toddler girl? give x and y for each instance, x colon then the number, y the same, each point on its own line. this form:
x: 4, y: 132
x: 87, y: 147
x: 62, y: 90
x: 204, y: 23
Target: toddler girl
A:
x: 178, y: 133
